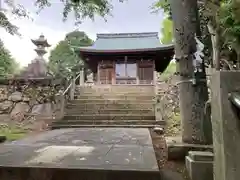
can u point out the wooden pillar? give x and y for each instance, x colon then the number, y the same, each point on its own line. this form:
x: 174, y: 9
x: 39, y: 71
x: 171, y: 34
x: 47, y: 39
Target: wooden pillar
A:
x: 155, y: 83
x: 154, y: 74
x: 98, y: 73
x: 138, y: 82
x: 125, y: 65
x: 114, y: 73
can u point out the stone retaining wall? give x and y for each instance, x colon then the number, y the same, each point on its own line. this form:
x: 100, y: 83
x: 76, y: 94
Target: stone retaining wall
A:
x: 167, y: 98
x: 29, y: 99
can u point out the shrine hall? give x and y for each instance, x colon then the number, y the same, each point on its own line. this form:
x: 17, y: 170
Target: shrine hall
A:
x: 127, y: 58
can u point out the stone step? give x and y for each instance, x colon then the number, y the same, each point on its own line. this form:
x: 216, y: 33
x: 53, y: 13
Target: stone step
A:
x: 89, y: 93
x: 122, y: 91
x: 111, y: 96
x: 109, y: 111
x: 109, y: 122
x: 103, y: 126
x: 149, y: 106
x: 114, y: 97
x: 109, y: 117
x: 116, y: 101
x: 114, y: 94
x: 112, y: 88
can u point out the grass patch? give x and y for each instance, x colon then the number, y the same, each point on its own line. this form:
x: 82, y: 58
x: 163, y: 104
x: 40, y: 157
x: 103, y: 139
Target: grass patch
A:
x: 13, y: 133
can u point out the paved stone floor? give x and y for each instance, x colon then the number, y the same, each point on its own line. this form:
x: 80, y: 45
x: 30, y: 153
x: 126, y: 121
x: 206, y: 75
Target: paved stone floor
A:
x: 86, y: 148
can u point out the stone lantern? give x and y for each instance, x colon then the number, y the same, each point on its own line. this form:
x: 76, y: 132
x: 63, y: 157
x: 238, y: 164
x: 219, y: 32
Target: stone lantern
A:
x: 41, y: 44
x: 38, y: 67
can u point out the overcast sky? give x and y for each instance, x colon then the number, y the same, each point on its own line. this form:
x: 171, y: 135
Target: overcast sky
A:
x: 130, y: 16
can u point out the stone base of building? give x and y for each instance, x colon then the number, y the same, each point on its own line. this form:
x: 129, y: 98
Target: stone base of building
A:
x: 177, y: 150
x: 199, y: 165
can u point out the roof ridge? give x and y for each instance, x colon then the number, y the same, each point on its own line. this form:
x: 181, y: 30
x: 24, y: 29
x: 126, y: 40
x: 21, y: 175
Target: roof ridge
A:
x: 127, y: 35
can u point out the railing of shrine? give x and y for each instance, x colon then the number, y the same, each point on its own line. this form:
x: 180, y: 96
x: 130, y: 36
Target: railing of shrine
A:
x: 67, y: 94
x: 134, y: 82
x: 71, y: 87
x: 124, y: 82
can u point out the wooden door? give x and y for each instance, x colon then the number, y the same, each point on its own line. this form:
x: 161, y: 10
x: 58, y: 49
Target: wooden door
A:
x: 105, y: 72
x: 145, y: 72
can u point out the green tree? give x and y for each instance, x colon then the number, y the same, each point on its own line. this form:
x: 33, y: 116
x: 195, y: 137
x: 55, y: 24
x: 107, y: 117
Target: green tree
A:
x: 167, y: 31
x: 81, y: 9
x: 7, y: 64
x: 63, y: 61
x: 162, y: 4
x: 230, y: 26
x: 223, y: 25
x: 219, y: 26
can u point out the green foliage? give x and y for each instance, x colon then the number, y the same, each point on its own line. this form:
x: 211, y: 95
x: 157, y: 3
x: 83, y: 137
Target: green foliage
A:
x: 167, y: 26
x: 207, y: 12
x: 15, y: 9
x: 222, y: 15
x: 7, y: 64
x: 230, y: 25
x: 81, y: 9
x: 167, y: 31
x: 63, y: 61
x: 162, y: 4
x: 7, y: 25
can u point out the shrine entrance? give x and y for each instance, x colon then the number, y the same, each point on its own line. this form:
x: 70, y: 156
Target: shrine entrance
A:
x: 126, y: 72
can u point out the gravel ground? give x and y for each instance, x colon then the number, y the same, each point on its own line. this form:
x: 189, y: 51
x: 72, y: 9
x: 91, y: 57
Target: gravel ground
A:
x: 170, y: 170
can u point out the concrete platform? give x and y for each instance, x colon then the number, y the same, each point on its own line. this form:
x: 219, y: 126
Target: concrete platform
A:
x: 89, y: 153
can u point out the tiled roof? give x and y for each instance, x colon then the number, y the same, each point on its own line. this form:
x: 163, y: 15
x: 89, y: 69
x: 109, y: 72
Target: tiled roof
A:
x: 127, y: 41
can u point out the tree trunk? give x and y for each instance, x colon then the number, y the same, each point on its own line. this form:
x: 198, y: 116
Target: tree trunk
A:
x: 196, y: 126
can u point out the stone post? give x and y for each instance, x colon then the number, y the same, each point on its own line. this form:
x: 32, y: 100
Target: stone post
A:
x: 154, y: 77
x: 72, y: 88
x: 226, y: 126
x: 81, y: 78
x: 159, y: 109
x: 137, y: 80
x: 199, y: 165
x: 62, y: 108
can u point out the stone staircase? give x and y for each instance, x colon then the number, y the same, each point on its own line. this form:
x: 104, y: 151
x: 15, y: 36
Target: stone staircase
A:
x: 110, y: 106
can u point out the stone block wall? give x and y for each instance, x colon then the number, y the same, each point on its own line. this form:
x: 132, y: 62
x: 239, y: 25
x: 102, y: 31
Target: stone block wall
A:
x: 21, y: 100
